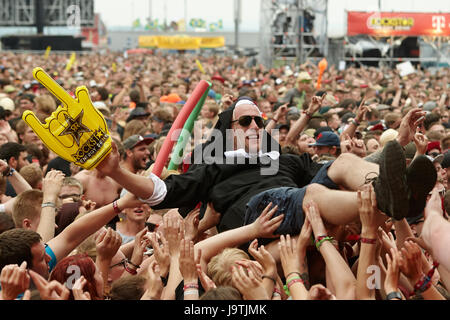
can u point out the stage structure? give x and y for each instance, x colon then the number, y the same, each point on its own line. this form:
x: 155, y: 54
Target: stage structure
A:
x: 45, y: 13
x: 293, y: 31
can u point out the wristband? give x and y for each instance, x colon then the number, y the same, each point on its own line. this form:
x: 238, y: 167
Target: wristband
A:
x: 394, y: 295
x: 368, y: 241
x: 293, y: 272
x: 275, y: 120
x: 356, y: 123
x: 276, y: 292
x: 307, y: 113
x: 130, y: 271
x: 192, y: 291
x: 270, y: 278
x: 425, y: 281
x: 116, y: 207
x: 322, y: 239
x: 294, y: 280
x: 190, y: 286
x: 48, y: 204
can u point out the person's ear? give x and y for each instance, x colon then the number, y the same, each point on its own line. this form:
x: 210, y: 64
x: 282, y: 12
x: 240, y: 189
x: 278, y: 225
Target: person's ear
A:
x: 12, y: 162
x: 129, y: 153
x: 26, y: 224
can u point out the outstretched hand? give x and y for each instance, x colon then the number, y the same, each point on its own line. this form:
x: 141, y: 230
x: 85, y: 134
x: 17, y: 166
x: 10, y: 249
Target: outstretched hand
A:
x: 264, y: 226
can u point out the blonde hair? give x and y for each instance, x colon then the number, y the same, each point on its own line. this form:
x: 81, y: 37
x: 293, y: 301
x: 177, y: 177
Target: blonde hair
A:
x: 45, y: 104
x: 27, y: 205
x: 219, y: 267
x: 32, y: 174
x: 133, y: 127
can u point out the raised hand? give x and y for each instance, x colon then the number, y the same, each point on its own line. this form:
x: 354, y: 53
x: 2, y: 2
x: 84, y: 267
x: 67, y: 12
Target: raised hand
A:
x: 392, y: 272
x: 14, y: 281
x: 264, y: 226
x: 77, y: 289
x: 154, y: 283
x: 49, y: 290
x: 206, y: 281
x: 161, y: 253
x: 264, y: 258
x: 140, y: 244
x: 107, y: 244
x: 248, y: 284
x: 187, y: 262
x: 51, y: 185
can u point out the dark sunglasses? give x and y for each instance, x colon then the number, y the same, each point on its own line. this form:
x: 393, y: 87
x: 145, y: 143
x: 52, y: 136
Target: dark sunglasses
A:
x: 151, y: 226
x: 245, y: 121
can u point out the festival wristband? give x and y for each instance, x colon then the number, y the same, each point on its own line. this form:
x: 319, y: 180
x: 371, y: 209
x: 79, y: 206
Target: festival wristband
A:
x: 322, y: 239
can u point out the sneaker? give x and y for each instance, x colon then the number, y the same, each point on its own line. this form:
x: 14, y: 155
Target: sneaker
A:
x: 390, y: 185
x: 421, y: 178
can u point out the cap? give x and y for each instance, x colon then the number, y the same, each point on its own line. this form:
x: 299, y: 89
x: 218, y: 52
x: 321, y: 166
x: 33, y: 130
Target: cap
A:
x: 321, y: 129
x: 137, y: 112
x: 437, y: 159
x: 429, y: 105
x: 327, y: 138
x: 9, y: 88
x: 388, y: 135
x: 303, y: 76
x: 7, y: 104
x: 135, y: 140
x: 434, y: 145
x: 101, y: 106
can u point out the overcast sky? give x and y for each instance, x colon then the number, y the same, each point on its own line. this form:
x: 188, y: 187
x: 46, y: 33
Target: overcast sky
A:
x: 123, y: 13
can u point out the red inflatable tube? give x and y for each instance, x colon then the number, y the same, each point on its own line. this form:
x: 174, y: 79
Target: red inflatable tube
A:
x: 178, y: 124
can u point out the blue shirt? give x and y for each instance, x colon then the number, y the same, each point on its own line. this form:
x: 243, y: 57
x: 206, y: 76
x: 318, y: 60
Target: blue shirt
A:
x: 52, y: 262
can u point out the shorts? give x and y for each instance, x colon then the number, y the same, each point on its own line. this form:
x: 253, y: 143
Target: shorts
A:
x: 289, y: 201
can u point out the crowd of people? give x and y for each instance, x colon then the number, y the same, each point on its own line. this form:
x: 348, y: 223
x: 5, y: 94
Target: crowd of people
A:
x: 356, y: 209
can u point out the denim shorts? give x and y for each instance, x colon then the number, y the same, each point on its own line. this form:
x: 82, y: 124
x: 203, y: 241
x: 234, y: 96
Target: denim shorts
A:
x: 289, y: 201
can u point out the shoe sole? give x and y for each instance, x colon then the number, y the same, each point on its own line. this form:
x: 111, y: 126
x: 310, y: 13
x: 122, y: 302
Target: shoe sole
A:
x: 421, y: 178
x: 392, y: 174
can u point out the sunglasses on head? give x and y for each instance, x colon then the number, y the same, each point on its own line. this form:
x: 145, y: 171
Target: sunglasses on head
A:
x: 245, y: 121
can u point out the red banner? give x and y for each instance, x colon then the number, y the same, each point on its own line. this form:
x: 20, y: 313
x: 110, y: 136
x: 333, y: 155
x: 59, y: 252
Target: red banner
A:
x: 398, y: 24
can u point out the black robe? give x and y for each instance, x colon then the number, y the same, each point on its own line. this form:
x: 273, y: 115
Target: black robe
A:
x: 230, y: 186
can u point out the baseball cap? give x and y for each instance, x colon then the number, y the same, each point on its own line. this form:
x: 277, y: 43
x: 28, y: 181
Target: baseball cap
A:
x: 429, y: 105
x: 101, y: 106
x: 7, y: 104
x: 327, y: 139
x: 438, y: 158
x: 136, y: 113
x: 303, y: 76
x: 388, y: 135
x: 135, y: 140
x: 9, y: 88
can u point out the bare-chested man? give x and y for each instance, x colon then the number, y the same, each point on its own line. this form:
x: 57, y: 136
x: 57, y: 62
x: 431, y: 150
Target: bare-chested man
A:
x: 98, y: 188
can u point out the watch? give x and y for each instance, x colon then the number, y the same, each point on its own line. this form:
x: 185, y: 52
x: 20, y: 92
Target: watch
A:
x: 394, y: 295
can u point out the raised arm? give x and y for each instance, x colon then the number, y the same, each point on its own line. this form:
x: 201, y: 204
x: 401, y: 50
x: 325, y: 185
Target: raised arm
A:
x: 17, y: 181
x: 51, y: 187
x: 300, y: 124
x: 368, y: 213
x: 340, y: 273
x: 80, y: 229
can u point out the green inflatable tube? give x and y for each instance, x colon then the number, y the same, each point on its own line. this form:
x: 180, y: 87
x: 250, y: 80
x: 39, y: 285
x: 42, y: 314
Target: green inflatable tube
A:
x: 186, y: 133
